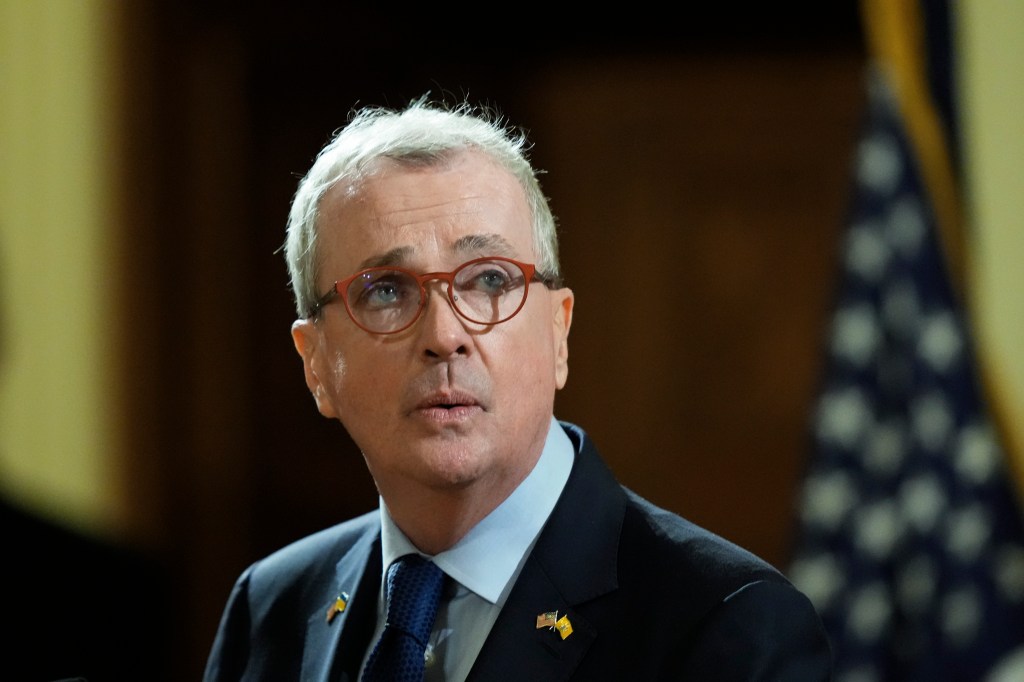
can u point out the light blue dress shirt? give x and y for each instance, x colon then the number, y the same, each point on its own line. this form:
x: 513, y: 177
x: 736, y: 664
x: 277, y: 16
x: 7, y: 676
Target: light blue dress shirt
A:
x: 484, y: 564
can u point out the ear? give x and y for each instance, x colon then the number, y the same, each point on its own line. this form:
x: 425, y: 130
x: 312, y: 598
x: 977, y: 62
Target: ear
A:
x: 561, y: 301
x: 309, y: 343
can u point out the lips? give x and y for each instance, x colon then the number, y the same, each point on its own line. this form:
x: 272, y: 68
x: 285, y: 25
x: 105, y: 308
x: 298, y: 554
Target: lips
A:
x: 448, y: 401
x: 447, y: 394
x: 447, y: 408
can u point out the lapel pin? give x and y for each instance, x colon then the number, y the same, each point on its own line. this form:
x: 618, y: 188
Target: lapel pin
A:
x: 337, y: 607
x: 550, y: 620
x: 547, y: 620
x: 564, y: 627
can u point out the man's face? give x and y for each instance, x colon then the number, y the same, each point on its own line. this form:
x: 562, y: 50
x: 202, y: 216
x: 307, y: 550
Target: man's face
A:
x: 446, y: 404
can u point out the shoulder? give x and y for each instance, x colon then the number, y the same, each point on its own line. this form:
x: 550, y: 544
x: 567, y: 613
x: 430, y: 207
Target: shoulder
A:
x: 654, y: 546
x: 690, y: 566
x: 653, y: 542
x: 316, y: 556
x: 720, y: 594
x: 263, y: 627
x: 690, y: 551
x: 700, y: 597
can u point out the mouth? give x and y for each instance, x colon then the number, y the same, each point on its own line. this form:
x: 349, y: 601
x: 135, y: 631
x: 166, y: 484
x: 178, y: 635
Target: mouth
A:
x: 448, y: 407
x: 448, y: 401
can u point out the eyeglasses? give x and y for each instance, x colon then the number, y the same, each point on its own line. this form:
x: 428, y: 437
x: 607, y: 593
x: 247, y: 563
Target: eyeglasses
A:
x: 387, y: 300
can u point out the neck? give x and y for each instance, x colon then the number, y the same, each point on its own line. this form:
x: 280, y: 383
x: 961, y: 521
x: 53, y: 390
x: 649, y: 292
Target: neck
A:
x: 436, y: 519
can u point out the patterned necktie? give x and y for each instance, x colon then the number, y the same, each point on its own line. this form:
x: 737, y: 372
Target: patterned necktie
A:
x: 414, y: 592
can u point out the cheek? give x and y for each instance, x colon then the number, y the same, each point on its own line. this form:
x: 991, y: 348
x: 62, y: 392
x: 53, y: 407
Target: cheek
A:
x: 336, y: 382
x: 363, y: 384
x: 530, y: 365
x: 338, y: 367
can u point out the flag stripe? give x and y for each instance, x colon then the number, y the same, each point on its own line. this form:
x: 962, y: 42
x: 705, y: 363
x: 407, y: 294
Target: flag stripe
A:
x: 897, y: 43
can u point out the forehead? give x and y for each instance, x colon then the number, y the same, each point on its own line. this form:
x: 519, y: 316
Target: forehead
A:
x: 425, y: 216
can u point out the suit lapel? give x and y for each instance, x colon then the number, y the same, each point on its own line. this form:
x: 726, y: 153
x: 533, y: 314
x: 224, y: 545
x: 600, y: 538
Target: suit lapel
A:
x: 517, y: 649
x: 339, y: 644
x: 574, y: 561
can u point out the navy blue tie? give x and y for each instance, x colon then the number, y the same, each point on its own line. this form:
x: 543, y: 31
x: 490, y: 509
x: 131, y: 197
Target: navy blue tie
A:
x: 414, y: 592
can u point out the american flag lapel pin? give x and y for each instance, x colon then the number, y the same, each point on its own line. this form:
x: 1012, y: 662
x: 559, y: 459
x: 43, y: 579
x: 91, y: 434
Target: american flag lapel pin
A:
x: 550, y: 620
x: 547, y: 619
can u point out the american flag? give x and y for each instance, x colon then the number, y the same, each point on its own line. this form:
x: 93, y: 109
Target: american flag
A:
x: 910, y: 540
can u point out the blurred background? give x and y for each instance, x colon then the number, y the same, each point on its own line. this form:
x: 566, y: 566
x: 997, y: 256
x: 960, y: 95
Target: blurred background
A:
x: 156, y: 434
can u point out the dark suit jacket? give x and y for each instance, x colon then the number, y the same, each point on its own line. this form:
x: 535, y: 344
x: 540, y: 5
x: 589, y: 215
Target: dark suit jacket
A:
x: 650, y: 596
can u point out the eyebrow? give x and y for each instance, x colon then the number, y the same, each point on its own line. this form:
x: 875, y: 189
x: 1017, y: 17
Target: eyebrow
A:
x: 395, y: 256
x: 485, y: 245
x: 489, y: 244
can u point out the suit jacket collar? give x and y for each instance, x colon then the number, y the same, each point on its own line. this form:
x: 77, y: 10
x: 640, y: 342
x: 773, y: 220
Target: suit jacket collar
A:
x: 575, y: 560
x: 587, y: 520
x: 334, y: 648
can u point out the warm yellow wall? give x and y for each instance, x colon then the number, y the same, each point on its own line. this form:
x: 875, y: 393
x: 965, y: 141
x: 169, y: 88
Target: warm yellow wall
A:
x: 56, y: 170
x: 992, y: 99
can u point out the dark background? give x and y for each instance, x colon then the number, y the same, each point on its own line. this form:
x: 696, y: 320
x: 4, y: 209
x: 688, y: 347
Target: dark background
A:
x: 697, y: 160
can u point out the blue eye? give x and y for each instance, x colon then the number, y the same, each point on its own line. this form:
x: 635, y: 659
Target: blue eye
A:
x: 492, y: 281
x: 385, y: 290
x: 490, y: 278
x: 381, y: 294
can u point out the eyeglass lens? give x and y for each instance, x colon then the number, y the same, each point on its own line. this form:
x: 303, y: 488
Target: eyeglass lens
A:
x: 486, y: 292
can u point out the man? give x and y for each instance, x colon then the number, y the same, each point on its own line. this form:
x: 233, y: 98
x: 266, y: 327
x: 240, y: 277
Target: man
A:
x: 433, y: 324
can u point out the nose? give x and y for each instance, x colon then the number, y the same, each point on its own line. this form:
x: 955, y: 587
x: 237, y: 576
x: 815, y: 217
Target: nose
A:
x: 443, y: 332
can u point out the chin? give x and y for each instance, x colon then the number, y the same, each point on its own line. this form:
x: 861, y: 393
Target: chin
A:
x: 455, y: 467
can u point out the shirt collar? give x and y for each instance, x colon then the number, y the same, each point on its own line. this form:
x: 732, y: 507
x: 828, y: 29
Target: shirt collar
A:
x: 488, y: 557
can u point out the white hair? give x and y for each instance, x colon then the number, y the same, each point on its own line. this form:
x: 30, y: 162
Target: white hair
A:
x: 422, y: 134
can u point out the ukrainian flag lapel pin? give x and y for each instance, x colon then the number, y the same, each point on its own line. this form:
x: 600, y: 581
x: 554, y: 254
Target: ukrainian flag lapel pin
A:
x: 339, y: 605
x: 550, y: 620
x: 564, y: 627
